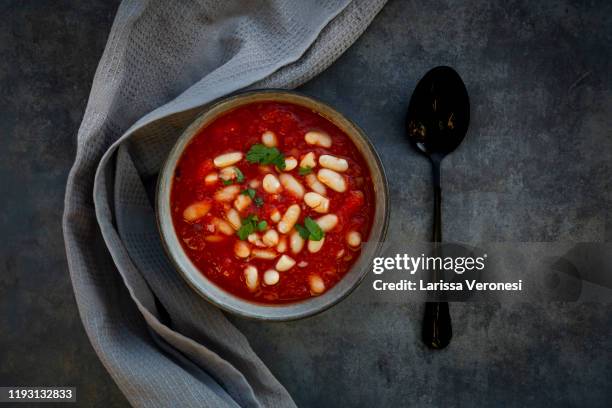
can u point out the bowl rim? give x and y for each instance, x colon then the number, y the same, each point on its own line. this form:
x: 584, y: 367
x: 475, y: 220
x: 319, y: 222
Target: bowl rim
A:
x: 218, y: 296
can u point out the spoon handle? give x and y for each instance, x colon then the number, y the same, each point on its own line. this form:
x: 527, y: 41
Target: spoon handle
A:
x: 437, y: 326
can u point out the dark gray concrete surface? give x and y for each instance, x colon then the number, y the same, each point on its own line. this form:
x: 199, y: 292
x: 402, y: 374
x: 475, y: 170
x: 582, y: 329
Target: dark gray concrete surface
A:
x: 536, y: 166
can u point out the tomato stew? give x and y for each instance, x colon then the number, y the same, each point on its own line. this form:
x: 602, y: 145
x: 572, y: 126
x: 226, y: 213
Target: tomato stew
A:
x: 271, y: 202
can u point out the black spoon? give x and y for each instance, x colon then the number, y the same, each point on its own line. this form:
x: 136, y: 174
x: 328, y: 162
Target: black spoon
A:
x: 437, y: 121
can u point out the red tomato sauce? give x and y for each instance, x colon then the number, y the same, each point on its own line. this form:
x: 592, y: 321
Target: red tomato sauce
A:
x: 237, y: 131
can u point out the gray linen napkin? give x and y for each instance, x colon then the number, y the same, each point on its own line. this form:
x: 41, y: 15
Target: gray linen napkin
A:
x: 164, y: 61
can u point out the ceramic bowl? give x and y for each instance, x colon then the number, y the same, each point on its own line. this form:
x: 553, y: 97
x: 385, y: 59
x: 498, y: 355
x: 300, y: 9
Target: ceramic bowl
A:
x: 286, y: 311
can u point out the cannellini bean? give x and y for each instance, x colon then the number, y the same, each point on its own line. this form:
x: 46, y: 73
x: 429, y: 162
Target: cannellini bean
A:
x: 227, y: 159
x: 242, y: 202
x: 268, y: 138
x: 353, y: 238
x: 282, y: 244
x: 223, y: 226
x: 234, y: 218
x: 284, y: 263
x: 290, y: 163
x: 242, y: 249
x: 263, y: 254
x: 211, y: 179
x: 251, y: 277
x: 308, y: 160
x: 270, y: 238
x: 271, y: 184
x: 296, y: 242
x: 289, y: 219
x: 315, y: 185
x: 333, y: 180
x: 255, y: 239
x: 196, y: 210
x: 254, y: 183
x: 327, y: 222
x: 318, y: 138
x: 271, y: 277
x: 323, y: 207
x: 275, y: 216
x: 333, y: 162
x: 214, y: 238
x: 317, y: 286
x: 315, y: 246
x: 228, y: 193
x: 292, y: 185
x: 228, y: 173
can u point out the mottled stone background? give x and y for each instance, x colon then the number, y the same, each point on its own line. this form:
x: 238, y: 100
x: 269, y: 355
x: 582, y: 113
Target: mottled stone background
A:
x: 536, y: 166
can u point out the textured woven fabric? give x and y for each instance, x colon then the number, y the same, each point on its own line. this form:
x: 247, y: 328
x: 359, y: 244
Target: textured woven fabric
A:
x: 164, y: 61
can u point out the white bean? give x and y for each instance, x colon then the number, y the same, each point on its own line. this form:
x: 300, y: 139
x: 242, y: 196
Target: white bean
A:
x: 289, y: 219
x: 275, y: 216
x: 317, y: 202
x: 327, y: 222
x: 228, y: 193
x: 292, y: 185
x: 308, y: 161
x: 242, y: 249
x: 271, y: 277
x: 255, y: 239
x: 315, y: 246
x: 323, y: 207
x: 211, y: 179
x: 313, y: 199
x: 271, y: 184
x: 223, y: 226
x: 315, y: 185
x: 270, y: 238
x: 282, y: 244
x: 268, y: 138
x: 317, y: 286
x: 234, y: 218
x: 251, y: 278
x: 254, y: 183
x: 284, y: 263
x: 333, y: 180
x: 333, y: 162
x: 227, y: 159
x: 296, y: 242
x: 196, y: 211
x: 290, y: 163
x: 264, y: 254
x: 318, y: 138
x: 242, y: 202
x: 353, y: 238
x: 228, y: 173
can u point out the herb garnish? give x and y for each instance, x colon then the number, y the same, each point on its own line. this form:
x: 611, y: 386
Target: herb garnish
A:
x: 249, y: 192
x: 266, y: 155
x: 305, y: 170
x: 251, y: 224
x: 310, y: 230
x: 239, y: 175
x: 228, y: 182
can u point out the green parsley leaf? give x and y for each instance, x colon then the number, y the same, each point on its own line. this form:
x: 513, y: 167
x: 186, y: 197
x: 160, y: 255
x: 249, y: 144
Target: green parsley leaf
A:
x: 262, y: 225
x: 316, y: 233
x: 305, y: 170
x: 239, y: 175
x: 249, y: 192
x: 266, y: 155
x: 302, y: 231
x: 227, y: 182
x: 258, y: 201
x: 249, y: 224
